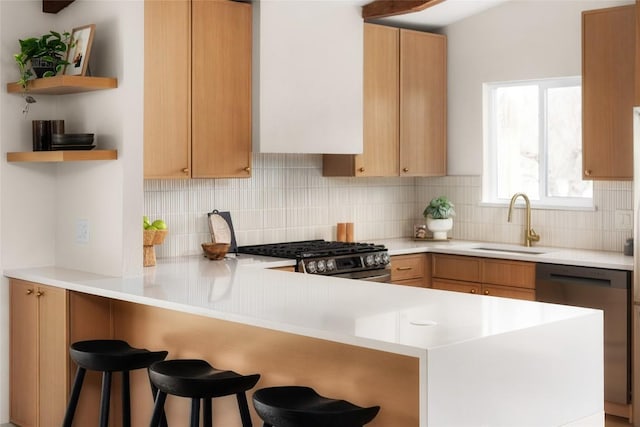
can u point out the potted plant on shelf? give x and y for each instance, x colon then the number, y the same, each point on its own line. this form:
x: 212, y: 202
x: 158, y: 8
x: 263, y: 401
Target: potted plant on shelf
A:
x: 438, y: 215
x: 45, y: 56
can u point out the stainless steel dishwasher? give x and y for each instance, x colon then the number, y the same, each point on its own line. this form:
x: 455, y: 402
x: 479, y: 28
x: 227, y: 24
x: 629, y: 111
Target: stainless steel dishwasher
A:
x: 607, y: 290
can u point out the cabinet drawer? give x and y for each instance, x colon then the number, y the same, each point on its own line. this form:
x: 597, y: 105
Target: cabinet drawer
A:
x: 405, y: 267
x: 289, y: 268
x: 510, y: 273
x: 456, y: 286
x: 509, y: 292
x: 418, y: 282
x: 456, y: 267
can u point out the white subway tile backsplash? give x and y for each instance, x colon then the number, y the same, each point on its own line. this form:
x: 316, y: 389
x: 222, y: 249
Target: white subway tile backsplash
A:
x: 287, y: 198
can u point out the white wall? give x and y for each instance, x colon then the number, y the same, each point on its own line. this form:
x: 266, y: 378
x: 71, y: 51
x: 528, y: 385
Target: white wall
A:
x: 39, y: 203
x: 518, y: 40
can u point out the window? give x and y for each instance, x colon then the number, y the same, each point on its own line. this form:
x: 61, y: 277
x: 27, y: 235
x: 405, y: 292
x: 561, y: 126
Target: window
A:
x: 534, y: 143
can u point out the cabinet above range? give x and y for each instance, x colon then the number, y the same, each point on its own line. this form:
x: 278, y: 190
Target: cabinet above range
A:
x: 405, y: 118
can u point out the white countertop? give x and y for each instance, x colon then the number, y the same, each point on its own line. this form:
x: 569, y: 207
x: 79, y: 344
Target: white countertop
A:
x: 579, y: 257
x: 400, y: 319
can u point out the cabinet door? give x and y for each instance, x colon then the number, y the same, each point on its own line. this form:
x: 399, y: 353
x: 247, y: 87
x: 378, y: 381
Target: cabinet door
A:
x: 167, y: 100
x: 456, y: 267
x: 23, y: 353
x: 381, y: 102
x: 456, y: 286
x: 423, y: 107
x: 53, y: 355
x: 608, y: 49
x: 221, y: 89
x: 510, y: 273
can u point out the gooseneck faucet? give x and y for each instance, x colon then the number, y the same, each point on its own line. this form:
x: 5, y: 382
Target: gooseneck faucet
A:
x: 529, y: 233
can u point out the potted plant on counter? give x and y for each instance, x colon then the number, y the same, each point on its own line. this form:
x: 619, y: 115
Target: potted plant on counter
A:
x: 45, y: 56
x: 438, y: 215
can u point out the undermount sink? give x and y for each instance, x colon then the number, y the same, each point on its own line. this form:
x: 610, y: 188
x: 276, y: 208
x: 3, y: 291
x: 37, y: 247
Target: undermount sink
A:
x: 512, y: 249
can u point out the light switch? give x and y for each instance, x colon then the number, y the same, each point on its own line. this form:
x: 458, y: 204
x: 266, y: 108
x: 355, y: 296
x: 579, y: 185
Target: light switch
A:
x: 82, y: 231
x: 623, y: 219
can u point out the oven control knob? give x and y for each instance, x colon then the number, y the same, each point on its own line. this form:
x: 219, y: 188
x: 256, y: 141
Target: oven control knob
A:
x: 385, y: 258
x: 311, y: 267
x: 368, y: 260
x: 331, y: 264
x: 322, y: 266
x: 377, y: 259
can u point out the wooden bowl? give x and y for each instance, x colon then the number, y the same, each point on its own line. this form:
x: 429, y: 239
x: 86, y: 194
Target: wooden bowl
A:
x: 215, y: 250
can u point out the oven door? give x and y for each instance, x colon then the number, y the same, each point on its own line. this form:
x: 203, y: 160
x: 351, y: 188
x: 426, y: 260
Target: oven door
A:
x: 380, y: 275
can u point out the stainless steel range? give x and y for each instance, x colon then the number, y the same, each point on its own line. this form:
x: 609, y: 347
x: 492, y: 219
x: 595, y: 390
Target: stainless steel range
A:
x: 364, y: 261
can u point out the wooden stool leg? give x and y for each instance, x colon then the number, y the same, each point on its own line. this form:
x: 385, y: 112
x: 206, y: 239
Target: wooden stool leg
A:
x: 195, y: 412
x: 158, y: 409
x: 244, y: 410
x: 126, y: 400
x: 207, y: 413
x: 73, y: 399
x: 104, y: 400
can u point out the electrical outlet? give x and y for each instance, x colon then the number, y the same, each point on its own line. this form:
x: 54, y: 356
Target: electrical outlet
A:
x: 623, y: 219
x: 82, y: 231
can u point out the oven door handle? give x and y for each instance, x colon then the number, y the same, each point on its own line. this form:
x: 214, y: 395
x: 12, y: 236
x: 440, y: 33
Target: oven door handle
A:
x: 383, y: 278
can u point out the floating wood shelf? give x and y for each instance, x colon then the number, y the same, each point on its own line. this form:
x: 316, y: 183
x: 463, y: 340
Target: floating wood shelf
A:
x: 62, y: 85
x: 62, y: 156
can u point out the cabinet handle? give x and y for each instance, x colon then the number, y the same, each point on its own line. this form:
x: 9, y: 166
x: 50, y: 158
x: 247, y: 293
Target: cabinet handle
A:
x: 185, y: 170
x: 587, y: 172
x: 29, y: 291
x: 404, y: 268
x: 361, y: 170
x: 39, y: 294
x: 247, y: 169
x: 486, y: 292
x: 405, y: 170
x: 473, y: 291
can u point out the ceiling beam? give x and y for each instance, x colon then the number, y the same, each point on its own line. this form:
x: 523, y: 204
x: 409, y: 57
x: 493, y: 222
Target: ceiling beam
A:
x: 54, y: 6
x: 382, y: 8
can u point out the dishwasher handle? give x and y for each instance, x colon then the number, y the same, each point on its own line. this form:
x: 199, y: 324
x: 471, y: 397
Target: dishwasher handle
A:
x: 587, y: 276
x: 576, y: 280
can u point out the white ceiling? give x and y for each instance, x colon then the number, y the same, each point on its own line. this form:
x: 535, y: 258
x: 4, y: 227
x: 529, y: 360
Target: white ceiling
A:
x: 442, y: 14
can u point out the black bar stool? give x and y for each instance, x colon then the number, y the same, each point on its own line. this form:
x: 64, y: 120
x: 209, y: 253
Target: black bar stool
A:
x: 197, y: 379
x: 295, y: 406
x: 108, y: 356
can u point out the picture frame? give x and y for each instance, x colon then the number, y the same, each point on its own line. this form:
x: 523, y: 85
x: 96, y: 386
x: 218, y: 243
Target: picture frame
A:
x: 79, y: 50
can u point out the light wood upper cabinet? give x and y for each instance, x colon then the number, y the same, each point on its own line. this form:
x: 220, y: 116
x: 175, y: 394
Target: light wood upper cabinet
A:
x: 197, y: 119
x: 404, y: 106
x: 637, y: 53
x: 608, y: 92
x: 38, y: 354
x: 423, y: 106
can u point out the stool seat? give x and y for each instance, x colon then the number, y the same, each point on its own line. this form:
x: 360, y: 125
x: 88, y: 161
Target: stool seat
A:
x: 298, y: 406
x: 198, y: 380
x: 108, y: 356
x: 112, y: 355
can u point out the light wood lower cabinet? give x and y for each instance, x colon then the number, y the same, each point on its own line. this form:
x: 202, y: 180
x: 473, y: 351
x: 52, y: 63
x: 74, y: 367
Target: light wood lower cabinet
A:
x: 38, y: 354
x: 411, y: 270
x: 44, y: 321
x: 484, y: 276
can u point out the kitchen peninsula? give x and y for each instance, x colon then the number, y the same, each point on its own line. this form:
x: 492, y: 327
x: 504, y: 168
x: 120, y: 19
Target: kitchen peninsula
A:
x: 427, y: 357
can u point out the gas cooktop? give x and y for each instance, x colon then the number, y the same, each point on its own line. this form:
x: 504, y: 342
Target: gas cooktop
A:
x: 324, y: 257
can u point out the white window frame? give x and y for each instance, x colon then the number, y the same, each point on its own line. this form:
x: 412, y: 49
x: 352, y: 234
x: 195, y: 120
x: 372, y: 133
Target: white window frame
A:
x: 490, y: 175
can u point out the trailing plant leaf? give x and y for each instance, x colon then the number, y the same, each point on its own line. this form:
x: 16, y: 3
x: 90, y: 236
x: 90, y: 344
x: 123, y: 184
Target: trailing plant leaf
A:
x: 51, y: 47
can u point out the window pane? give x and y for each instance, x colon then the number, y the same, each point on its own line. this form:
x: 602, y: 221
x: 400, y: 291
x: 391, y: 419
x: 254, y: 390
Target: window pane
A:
x: 564, y: 142
x: 516, y: 134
